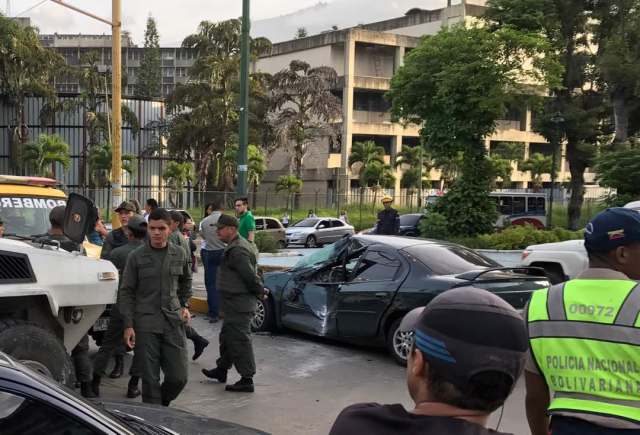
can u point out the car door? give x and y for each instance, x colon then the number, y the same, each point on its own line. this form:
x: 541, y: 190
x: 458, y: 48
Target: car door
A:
x: 323, y: 231
x: 337, y: 229
x: 274, y: 228
x: 260, y: 224
x: 370, y: 290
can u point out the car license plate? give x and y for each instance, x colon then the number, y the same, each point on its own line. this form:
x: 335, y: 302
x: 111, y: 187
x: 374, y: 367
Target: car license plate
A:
x: 101, y: 324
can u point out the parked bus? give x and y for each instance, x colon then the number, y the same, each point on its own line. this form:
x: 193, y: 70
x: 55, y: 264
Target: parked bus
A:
x: 521, y: 209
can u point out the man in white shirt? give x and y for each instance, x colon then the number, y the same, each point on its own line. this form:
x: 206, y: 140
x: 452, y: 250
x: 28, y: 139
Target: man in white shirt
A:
x: 211, y: 254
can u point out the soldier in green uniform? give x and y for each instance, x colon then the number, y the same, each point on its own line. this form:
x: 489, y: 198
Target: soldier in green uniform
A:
x: 136, y: 231
x: 176, y: 237
x: 240, y: 287
x: 154, y: 295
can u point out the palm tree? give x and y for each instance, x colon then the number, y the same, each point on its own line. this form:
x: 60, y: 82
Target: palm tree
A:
x: 365, y: 155
x: 229, y: 168
x: 537, y: 164
x: 410, y: 158
x: 46, y: 151
x: 290, y: 184
x: 100, y: 160
x: 378, y: 176
x: 176, y: 175
x: 257, y: 167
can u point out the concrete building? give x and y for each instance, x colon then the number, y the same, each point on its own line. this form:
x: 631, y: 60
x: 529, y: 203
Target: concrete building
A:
x: 365, y: 58
x: 175, y: 61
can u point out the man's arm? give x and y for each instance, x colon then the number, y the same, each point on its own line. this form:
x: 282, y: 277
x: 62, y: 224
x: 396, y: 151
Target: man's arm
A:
x: 396, y: 223
x: 128, y: 287
x: 240, y: 261
x: 251, y: 234
x: 107, y: 247
x: 184, y: 283
x: 537, y: 402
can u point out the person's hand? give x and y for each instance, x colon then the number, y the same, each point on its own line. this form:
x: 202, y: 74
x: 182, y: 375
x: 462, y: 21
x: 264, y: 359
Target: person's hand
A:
x: 265, y: 293
x: 185, y: 315
x: 130, y: 338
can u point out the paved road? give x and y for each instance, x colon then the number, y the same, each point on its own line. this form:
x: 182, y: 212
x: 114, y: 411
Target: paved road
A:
x: 302, y: 384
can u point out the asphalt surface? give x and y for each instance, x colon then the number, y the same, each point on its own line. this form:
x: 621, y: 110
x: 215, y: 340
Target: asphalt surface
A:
x: 302, y: 384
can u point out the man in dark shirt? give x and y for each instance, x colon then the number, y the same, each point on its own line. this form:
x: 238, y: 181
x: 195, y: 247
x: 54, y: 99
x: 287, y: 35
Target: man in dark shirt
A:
x: 117, y: 237
x: 388, y: 219
x: 468, y: 353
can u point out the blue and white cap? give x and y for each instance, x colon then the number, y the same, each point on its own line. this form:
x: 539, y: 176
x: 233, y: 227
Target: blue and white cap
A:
x: 466, y: 331
x: 614, y: 227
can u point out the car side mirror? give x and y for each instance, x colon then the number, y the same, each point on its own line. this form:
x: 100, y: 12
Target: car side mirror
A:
x: 79, y: 218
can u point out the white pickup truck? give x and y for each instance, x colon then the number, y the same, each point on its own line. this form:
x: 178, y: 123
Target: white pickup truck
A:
x: 564, y: 260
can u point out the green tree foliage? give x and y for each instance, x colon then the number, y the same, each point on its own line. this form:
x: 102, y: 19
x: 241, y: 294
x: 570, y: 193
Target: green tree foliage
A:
x: 621, y: 170
x: 205, y: 112
x: 100, y: 164
x: 177, y: 175
x: 537, y: 164
x: 290, y: 184
x: 432, y: 89
x: 40, y: 156
x: 149, y: 75
x: 26, y: 68
x: 257, y: 167
x: 564, y: 24
x: 303, y: 108
x: 413, y: 176
x: 368, y: 159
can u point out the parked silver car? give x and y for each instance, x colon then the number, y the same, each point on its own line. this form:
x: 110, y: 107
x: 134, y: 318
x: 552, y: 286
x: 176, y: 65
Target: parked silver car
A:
x: 314, y: 232
x: 273, y: 227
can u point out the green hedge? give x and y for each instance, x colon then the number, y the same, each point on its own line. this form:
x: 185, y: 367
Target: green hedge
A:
x: 265, y: 242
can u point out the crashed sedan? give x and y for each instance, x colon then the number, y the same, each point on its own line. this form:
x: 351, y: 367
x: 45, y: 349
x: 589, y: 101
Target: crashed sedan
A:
x: 359, y: 289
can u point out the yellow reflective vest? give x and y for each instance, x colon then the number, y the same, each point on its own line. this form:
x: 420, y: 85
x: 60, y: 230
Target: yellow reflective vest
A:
x: 585, y: 340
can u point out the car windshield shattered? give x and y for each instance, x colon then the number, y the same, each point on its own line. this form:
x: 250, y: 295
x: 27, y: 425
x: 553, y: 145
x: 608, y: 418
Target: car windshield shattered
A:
x: 306, y: 223
x: 322, y: 255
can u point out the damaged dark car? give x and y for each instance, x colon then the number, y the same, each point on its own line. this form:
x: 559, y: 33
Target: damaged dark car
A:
x: 359, y: 289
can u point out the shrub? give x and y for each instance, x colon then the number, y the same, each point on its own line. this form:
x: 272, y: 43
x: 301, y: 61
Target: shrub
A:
x: 265, y: 242
x: 434, y: 226
x: 519, y: 237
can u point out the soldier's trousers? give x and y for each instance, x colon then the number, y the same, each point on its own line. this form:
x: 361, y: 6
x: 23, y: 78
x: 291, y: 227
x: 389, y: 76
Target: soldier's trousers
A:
x: 80, y: 357
x: 167, y: 352
x: 235, y: 344
x: 113, y: 344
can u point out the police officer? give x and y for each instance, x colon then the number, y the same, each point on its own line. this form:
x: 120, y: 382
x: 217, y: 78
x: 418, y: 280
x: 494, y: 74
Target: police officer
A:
x: 156, y: 287
x: 585, y: 338
x: 136, y: 231
x: 240, y: 287
x: 388, y: 219
x: 117, y: 237
x: 176, y: 237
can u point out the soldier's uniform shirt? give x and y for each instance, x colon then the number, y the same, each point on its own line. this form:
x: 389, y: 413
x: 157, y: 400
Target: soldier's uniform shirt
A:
x: 114, y: 239
x: 388, y: 222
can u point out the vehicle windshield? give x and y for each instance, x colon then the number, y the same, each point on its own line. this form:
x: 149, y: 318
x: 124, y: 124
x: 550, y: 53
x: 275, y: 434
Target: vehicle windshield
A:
x: 307, y: 223
x: 409, y: 220
x: 322, y: 255
x: 26, y: 217
x: 450, y: 259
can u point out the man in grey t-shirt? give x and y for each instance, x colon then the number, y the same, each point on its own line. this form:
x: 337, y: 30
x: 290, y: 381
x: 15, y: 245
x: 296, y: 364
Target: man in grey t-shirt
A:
x: 211, y: 254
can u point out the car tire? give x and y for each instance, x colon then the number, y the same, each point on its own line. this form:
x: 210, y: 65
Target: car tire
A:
x: 38, y: 349
x: 263, y: 318
x: 311, y: 242
x: 399, y: 343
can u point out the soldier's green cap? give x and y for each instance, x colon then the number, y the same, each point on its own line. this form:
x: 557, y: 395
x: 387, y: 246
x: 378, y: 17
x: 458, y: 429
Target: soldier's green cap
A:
x: 137, y: 223
x: 226, y: 220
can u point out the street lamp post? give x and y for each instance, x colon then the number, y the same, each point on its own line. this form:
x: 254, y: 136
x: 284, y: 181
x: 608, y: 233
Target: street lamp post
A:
x: 557, y: 119
x: 241, y: 188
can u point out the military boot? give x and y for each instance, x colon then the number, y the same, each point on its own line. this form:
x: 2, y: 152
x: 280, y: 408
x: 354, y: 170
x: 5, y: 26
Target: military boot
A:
x: 86, y: 390
x: 95, y: 385
x: 199, y: 343
x: 132, y: 389
x: 244, y: 385
x: 118, y: 368
x: 219, y: 374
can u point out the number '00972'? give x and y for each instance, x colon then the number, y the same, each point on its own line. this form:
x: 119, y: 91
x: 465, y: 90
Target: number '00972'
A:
x: 599, y: 310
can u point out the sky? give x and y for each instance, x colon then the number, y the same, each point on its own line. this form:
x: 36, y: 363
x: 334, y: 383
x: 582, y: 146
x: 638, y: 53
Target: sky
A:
x: 176, y: 18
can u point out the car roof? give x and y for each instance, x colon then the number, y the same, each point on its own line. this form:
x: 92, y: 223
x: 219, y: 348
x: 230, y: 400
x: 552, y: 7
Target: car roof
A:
x: 397, y: 242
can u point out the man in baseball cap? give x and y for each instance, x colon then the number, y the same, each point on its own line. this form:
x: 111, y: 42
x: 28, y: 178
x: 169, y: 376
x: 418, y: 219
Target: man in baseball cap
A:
x: 468, y: 353
x: 117, y: 237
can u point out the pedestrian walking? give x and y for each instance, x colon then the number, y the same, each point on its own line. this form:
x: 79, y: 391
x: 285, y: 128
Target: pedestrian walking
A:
x: 211, y: 253
x: 343, y: 217
x: 285, y: 220
x: 388, y: 219
x: 469, y: 351
x: 112, y: 344
x: 178, y: 239
x: 311, y: 214
x: 240, y: 287
x: 154, y: 296
x: 247, y: 224
x: 584, y: 337
x: 149, y: 206
x: 117, y: 237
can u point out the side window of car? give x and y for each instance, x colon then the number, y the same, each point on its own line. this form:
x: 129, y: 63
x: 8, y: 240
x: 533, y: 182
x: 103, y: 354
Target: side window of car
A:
x: 272, y: 224
x: 324, y: 224
x: 337, y: 224
x: 23, y: 416
x: 376, y: 266
x: 259, y: 224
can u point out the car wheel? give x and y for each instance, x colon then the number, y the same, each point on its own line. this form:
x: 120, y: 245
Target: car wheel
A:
x: 38, y: 349
x: 399, y: 343
x: 263, y: 318
x: 311, y: 242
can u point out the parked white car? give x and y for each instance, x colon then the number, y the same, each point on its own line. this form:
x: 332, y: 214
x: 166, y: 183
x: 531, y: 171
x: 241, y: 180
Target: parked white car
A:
x: 314, y: 232
x: 564, y: 260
